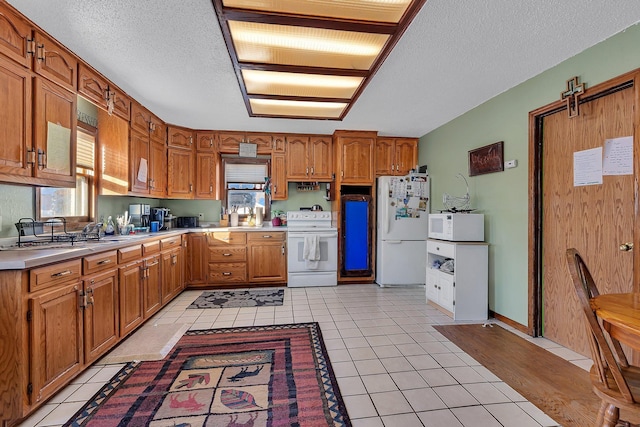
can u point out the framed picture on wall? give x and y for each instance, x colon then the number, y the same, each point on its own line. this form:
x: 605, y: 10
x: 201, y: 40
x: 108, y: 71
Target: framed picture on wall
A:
x: 487, y: 159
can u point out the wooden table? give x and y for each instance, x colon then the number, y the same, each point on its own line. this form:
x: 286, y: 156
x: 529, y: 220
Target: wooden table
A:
x: 620, y: 314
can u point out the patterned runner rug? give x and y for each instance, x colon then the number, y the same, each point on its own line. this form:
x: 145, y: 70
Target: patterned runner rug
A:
x: 230, y: 299
x: 255, y: 376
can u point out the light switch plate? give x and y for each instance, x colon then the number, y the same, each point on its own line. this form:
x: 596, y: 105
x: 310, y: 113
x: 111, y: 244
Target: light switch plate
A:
x: 510, y: 164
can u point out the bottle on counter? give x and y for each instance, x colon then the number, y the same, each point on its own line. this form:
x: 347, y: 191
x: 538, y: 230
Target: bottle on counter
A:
x: 111, y: 228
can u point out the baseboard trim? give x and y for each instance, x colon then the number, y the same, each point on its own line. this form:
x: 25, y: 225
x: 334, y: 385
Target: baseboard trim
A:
x: 509, y: 322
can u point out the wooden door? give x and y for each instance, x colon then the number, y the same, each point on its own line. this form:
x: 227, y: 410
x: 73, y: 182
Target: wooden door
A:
x: 595, y: 219
x: 405, y: 155
x: 139, y: 163
x: 180, y: 173
x: 229, y: 142
x: 157, y: 129
x: 179, y: 138
x: 113, y: 155
x: 55, y: 62
x: 197, y: 255
x: 15, y: 33
x: 55, y: 133
x: 101, y: 324
x: 298, y: 158
x: 171, y: 277
x: 56, y: 340
x: 279, y: 186
x: 92, y: 86
x: 140, y: 119
x: 320, y: 158
x: 130, y: 295
x: 357, y: 160
x: 206, y: 166
x: 264, y: 142
x: 157, y: 168
x: 16, y: 119
x: 206, y: 141
x: 151, y: 286
x: 384, y: 156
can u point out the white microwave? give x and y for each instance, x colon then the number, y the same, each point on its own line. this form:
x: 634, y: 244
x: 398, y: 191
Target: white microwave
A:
x: 457, y: 227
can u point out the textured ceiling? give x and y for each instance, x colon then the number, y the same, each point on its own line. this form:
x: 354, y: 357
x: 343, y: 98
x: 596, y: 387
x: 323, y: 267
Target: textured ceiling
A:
x: 171, y: 57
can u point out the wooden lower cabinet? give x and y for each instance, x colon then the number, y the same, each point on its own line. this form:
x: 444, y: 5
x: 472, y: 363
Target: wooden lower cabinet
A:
x: 197, y: 264
x: 227, y: 258
x: 267, y: 257
x: 101, y: 323
x: 56, y: 336
x: 151, y: 285
x: 130, y: 287
x: 172, y: 277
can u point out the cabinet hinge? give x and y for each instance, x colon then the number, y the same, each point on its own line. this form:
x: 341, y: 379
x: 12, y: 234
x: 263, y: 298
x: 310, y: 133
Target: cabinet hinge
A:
x: 29, y: 316
x: 30, y: 388
x: 82, y: 299
x: 31, y: 157
x: 31, y: 47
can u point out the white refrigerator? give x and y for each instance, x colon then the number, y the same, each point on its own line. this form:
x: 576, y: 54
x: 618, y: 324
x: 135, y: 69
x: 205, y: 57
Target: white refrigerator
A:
x: 402, y: 224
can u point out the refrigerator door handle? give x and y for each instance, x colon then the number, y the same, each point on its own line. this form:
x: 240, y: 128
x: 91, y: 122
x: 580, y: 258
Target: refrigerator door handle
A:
x: 387, y: 208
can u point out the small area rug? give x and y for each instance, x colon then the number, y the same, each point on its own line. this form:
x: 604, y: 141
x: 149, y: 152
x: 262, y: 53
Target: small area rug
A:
x: 230, y: 299
x: 558, y: 387
x: 263, y: 376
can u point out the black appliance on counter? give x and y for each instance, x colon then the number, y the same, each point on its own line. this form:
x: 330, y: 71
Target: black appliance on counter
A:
x: 188, y: 222
x: 160, y: 215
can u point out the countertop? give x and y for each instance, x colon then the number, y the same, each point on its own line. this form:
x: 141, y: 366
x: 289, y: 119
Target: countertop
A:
x: 25, y: 258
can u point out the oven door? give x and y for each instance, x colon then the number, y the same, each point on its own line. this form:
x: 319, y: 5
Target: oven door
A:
x: 328, y: 241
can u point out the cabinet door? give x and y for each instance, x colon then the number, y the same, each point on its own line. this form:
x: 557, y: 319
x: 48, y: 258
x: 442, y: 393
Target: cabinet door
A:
x: 357, y: 160
x: 157, y: 168
x: 298, y: 158
x: 15, y: 116
x: 206, y: 141
x: 121, y: 103
x: 130, y: 295
x: 279, y: 187
x: 92, y: 86
x: 432, y: 286
x: 264, y: 142
x: 447, y: 291
x: 320, y: 158
x: 267, y: 262
x: 140, y: 119
x: 384, y: 157
x: 406, y: 155
x: 180, y: 173
x: 56, y: 340
x: 100, y: 314
x: 171, y: 274
x: 113, y: 155
x: 179, y: 138
x: 206, y: 168
x: 139, y: 163
x: 279, y: 144
x: 157, y: 129
x: 197, y: 267
x: 151, y: 286
x: 55, y: 133
x: 229, y: 142
x: 15, y: 33
x: 55, y: 62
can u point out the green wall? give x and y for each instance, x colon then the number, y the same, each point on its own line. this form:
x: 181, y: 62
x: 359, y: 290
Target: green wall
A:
x: 503, y: 196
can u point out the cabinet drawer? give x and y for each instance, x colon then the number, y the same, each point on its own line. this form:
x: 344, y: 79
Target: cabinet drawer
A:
x: 223, y: 238
x: 263, y: 236
x: 170, y: 242
x: 99, y: 262
x: 444, y: 249
x: 229, y: 254
x: 45, y: 277
x: 151, y: 247
x: 228, y: 272
x: 129, y: 254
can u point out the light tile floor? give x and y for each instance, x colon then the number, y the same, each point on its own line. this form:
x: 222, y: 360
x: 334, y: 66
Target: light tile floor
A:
x: 392, y: 366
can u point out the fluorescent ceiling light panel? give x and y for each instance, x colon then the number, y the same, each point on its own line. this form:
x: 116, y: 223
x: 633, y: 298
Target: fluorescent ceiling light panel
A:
x: 260, y: 82
x: 274, y: 107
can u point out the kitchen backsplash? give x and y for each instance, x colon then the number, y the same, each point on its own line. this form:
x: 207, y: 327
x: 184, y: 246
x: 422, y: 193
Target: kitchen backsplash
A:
x: 15, y: 202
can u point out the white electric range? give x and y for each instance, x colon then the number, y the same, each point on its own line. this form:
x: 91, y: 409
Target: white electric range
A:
x: 304, y: 229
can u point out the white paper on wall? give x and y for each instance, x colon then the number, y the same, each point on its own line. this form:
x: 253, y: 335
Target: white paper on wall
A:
x: 618, y: 156
x: 587, y: 167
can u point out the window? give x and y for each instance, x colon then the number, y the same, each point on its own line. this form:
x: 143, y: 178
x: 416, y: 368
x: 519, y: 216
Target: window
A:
x: 74, y: 204
x: 245, y: 186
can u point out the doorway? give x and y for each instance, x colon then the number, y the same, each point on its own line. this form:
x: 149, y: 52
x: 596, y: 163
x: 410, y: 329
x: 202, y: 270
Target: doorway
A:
x: 595, y: 219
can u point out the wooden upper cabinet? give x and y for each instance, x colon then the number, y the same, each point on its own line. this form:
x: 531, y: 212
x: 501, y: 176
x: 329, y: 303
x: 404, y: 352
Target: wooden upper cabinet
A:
x: 206, y: 173
x: 55, y: 62
x: 16, y: 118
x: 355, y: 151
x: 55, y: 133
x: 396, y: 156
x: 15, y: 36
x: 139, y: 163
x: 180, y: 173
x: 279, y: 144
x: 298, y: 157
x: 140, y: 118
x: 180, y: 137
x: 206, y: 141
x: 112, y: 155
x: 157, y: 129
x: 157, y: 169
x: 97, y: 89
x: 279, y: 187
x: 229, y: 142
x: 320, y: 158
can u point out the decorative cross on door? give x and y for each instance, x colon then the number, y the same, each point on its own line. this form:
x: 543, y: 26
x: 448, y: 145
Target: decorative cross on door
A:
x: 573, y: 92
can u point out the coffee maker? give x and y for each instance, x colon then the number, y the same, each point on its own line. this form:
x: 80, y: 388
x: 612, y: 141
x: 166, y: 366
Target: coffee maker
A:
x: 161, y: 215
x: 139, y: 214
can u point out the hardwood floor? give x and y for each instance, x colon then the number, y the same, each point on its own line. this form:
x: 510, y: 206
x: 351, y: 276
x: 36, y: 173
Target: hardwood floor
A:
x: 558, y: 387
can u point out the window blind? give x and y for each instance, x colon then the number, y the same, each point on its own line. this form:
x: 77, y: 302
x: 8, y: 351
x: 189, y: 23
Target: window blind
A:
x: 85, y: 150
x: 249, y: 173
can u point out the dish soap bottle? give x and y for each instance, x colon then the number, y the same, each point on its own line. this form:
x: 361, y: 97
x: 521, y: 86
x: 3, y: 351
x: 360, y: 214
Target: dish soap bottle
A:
x: 110, y: 227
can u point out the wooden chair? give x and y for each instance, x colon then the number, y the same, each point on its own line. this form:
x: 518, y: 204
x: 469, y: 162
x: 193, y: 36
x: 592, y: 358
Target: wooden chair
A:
x: 614, y: 380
